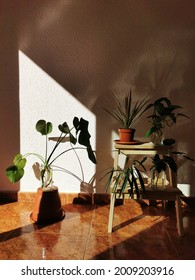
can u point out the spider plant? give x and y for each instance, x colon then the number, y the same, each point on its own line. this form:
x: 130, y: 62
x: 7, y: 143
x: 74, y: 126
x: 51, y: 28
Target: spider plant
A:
x: 128, y: 179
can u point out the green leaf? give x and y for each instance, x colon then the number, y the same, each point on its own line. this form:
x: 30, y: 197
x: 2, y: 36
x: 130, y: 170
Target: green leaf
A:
x: 182, y: 115
x: 73, y: 140
x: 44, y: 127
x: 14, y: 173
x: 171, y: 163
x: 140, y: 179
x: 64, y: 128
x: 108, y: 183
x: 150, y: 131
x: 19, y: 161
x: 161, y: 100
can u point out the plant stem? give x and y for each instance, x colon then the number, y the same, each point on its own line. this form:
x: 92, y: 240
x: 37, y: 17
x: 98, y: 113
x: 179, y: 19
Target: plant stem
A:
x: 77, y: 148
x: 46, y: 139
x: 67, y: 171
x: 55, y: 147
x: 34, y: 154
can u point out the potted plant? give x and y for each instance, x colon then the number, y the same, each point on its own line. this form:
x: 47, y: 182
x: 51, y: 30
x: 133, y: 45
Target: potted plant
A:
x: 48, y: 193
x: 158, y: 170
x: 130, y: 179
x: 160, y: 164
x: 127, y: 114
x: 164, y: 114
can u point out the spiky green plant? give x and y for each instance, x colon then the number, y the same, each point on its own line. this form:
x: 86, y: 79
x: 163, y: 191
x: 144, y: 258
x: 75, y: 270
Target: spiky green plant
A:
x: 128, y: 179
x: 126, y: 112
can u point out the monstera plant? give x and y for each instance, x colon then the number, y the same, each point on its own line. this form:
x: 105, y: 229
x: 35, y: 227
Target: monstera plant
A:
x: 47, y: 207
x: 16, y: 171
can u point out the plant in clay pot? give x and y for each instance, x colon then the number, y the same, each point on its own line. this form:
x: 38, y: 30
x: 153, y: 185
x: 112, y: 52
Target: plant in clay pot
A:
x: 127, y: 115
x: 48, y: 193
x: 164, y: 114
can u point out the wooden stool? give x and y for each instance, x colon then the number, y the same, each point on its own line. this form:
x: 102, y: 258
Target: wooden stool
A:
x: 171, y: 193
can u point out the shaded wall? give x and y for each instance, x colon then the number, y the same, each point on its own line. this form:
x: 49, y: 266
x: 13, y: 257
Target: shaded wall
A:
x: 9, y: 91
x: 93, y: 47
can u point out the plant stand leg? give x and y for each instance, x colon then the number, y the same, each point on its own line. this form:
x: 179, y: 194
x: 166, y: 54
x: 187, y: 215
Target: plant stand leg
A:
x: 179, y: 216
x: 111, y: 214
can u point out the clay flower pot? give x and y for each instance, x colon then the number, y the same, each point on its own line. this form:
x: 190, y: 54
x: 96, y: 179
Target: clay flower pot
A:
x: 126, y: 135
x: 47, y: 207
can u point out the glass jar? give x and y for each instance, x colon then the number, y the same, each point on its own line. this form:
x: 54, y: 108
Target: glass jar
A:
x: 46, y: 176
x: 158, y: 179
x: 156, y: 138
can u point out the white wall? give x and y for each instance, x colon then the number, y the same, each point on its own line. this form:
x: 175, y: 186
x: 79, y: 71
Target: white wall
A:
x: 76, y: 52
x: 41, y: 97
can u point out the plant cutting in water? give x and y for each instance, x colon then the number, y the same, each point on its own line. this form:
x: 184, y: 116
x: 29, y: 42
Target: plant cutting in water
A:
x: 77, y: 134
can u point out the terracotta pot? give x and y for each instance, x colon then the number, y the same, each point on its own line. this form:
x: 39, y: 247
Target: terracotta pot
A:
x: 126, y: 134
x: 47, y: 207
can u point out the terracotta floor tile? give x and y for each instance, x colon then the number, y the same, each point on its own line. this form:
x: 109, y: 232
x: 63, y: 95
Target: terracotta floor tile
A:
x: 139, y: 232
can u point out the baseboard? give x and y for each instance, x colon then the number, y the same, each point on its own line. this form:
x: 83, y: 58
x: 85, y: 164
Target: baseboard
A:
x: 76, y: 198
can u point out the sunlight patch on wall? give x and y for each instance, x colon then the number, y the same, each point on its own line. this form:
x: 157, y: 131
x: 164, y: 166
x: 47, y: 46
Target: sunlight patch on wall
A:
x: 186, y: 189
x: 114, y: 137
x: 41, y: 97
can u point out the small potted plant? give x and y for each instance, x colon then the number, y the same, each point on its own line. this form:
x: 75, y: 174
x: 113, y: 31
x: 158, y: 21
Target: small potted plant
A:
x: 127, y: 114
x: 47, y: 203
x: 164, y: 114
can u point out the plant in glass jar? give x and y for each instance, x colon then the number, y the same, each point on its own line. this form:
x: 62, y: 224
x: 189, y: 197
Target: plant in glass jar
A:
x: 158, y: 170
x: 16, y: 171
x: 78, y: 133
x: 160, y: 165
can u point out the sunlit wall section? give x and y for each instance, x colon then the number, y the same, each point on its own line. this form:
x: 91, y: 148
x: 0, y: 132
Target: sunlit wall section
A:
x: 41, y: 97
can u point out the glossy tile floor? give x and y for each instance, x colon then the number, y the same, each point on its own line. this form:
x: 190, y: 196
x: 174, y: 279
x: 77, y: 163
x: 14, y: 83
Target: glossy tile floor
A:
x: 140, y: 232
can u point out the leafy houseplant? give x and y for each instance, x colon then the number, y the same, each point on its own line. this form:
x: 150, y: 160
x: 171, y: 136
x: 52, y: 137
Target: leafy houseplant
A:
x: 127, y: 179
x: 127, y: 114
x: 15, y: 172
x: 159, y: 165
x: 164, y: 114
x: 158, y: 169
x: 78, y: 133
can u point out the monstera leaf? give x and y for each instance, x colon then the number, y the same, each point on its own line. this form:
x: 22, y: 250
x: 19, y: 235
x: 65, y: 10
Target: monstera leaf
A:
x: 15, y: 172
x: 44, y: 127
x: 84, y: 136
x: 64, y: 128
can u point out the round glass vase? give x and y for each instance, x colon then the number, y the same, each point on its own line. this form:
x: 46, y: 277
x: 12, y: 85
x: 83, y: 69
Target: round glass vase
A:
x: 156, y: 138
